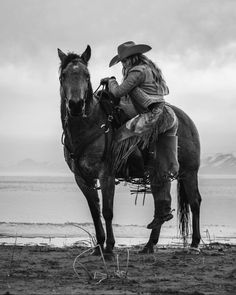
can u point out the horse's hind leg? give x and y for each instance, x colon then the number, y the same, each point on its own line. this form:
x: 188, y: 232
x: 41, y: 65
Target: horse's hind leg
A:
x: 94, y: 206
x: 189, y: 186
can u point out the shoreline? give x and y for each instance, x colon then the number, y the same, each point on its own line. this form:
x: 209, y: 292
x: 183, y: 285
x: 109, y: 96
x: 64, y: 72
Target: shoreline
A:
x: 69, y: 234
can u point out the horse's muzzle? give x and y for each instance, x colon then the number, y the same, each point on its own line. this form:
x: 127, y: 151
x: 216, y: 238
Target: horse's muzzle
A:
x: 76, y: 108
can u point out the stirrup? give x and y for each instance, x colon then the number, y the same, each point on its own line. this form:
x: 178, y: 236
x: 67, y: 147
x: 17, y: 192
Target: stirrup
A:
x: 159, y: 221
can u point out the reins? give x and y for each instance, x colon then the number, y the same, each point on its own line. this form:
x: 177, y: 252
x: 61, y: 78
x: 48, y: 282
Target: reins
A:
x: 95, y: 92
x: 104, y: 126
x: 73, y: 152
x: 107, y: 124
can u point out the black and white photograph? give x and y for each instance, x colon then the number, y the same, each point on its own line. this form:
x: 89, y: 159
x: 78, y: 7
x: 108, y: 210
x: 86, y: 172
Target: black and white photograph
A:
x: 117, y: 147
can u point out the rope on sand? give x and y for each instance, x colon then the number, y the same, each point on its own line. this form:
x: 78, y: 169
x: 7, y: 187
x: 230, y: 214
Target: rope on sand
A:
x: 99, y: 275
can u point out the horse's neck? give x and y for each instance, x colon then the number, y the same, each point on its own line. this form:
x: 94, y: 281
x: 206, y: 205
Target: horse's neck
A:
x: 80, y: 132
x: 79, y: 126
x: 63, y: 114
x: 96, y: 114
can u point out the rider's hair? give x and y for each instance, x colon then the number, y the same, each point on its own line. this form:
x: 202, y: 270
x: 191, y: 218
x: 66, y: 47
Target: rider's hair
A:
x: 138, y: 59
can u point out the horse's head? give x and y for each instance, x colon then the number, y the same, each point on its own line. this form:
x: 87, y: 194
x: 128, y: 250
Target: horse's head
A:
x: 76, y: 90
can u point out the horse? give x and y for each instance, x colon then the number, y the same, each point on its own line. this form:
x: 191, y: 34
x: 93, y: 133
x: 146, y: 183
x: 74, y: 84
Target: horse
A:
x: 86, y: 137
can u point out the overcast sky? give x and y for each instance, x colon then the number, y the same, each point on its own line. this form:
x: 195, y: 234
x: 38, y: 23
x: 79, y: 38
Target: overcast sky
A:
x: 194, y: 43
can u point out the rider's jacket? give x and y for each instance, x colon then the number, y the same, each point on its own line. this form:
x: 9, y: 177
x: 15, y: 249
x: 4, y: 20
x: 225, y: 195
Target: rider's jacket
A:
x: 141, y: 77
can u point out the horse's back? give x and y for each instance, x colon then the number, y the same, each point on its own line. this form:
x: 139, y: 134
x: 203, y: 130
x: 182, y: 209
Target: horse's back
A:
x: 188, y: 141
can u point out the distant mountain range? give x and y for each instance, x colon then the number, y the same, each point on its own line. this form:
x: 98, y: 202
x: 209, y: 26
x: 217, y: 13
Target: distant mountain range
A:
x: 217, y: 164
x: 31, y: 167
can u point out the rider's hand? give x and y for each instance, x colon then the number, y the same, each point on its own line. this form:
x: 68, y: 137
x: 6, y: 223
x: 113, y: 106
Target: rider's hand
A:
x: 104, y: 81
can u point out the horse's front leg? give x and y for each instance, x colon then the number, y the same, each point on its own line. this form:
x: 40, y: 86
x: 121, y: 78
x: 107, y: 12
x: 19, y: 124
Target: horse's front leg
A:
x: 94, y: 206
x: 107, y: 183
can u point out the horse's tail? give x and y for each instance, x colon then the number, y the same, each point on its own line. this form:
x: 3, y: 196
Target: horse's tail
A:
x: 183, y: 211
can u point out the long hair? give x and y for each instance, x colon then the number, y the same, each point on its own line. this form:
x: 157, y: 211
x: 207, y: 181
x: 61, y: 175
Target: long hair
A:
x: 138, y: 59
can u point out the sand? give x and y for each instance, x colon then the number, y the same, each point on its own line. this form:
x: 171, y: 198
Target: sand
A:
x: 46, y: 270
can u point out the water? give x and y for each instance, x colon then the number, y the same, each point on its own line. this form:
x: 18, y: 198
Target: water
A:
x: 49, y: 210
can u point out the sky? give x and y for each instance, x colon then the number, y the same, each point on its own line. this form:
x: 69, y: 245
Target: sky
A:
x: 193, y: 42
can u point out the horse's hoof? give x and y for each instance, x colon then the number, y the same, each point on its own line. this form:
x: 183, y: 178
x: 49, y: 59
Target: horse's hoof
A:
x: 194, y: 250
x: 108, y: 256
x: 147, y: 250
x: 97, y: 251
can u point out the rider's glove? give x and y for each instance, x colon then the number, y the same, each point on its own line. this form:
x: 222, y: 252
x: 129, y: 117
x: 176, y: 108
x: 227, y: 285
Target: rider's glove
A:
x: 104, y: 81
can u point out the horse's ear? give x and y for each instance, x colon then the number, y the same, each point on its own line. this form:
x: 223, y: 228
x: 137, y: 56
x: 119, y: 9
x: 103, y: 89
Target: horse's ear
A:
x: 61, y: 54
x: 87, y: 54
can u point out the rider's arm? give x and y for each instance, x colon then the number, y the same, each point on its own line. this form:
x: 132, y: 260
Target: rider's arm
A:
x: 133, y: 79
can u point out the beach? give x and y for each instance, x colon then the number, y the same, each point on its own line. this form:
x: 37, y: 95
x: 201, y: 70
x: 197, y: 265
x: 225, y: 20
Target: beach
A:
x: 45, y: 270
x: 46, y: 245
x: 52, y: 209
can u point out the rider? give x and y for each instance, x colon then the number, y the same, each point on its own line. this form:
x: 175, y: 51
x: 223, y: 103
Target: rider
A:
x: 142, y: 98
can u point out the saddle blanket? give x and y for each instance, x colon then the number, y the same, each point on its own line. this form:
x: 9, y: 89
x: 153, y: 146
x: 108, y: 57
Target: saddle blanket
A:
x: 141, y: 130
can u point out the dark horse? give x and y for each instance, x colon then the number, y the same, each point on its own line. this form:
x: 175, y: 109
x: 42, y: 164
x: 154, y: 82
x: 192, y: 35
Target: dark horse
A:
x: 86, y: 138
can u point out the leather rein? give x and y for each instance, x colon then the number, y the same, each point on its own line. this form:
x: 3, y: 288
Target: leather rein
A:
x: 106, y: 126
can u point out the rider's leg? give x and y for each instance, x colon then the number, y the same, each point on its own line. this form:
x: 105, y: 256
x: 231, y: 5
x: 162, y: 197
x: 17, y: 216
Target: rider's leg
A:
x: 167, y: 147
x: 167, y: 156
x: 164, y: 158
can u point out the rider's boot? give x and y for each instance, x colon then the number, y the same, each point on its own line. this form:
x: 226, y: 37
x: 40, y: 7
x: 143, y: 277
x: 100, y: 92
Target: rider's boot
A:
x: 163, y: 213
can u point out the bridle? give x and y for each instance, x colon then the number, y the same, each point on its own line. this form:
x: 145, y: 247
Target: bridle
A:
x: 83, y: 111
x: 105, y: 126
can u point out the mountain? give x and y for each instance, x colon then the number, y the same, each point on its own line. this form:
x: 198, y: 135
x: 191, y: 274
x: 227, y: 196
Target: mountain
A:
x: 219, y: 164
x: 31, y: 167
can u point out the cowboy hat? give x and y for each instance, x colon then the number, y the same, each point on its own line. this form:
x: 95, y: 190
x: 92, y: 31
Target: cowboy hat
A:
x: 127, y: 49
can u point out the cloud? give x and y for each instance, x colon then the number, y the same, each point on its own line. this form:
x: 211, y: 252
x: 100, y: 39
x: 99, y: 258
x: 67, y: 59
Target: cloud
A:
x: 31, y: 28
x: 194, y: 43
x: 29, y: 102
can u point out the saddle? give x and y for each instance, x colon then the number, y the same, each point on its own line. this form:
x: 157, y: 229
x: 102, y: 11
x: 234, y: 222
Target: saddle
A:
x: 132, y: 151
x: 110, y: 105
x: 158, y: 159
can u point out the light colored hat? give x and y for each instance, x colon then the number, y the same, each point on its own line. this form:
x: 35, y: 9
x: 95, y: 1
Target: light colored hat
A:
x: 127, y: 49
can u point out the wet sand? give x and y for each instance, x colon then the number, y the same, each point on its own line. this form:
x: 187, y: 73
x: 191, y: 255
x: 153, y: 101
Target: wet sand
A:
x: 46, y: 270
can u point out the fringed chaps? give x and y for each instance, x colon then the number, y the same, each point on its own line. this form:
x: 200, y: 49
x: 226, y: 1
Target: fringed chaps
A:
x: 140, y: 131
